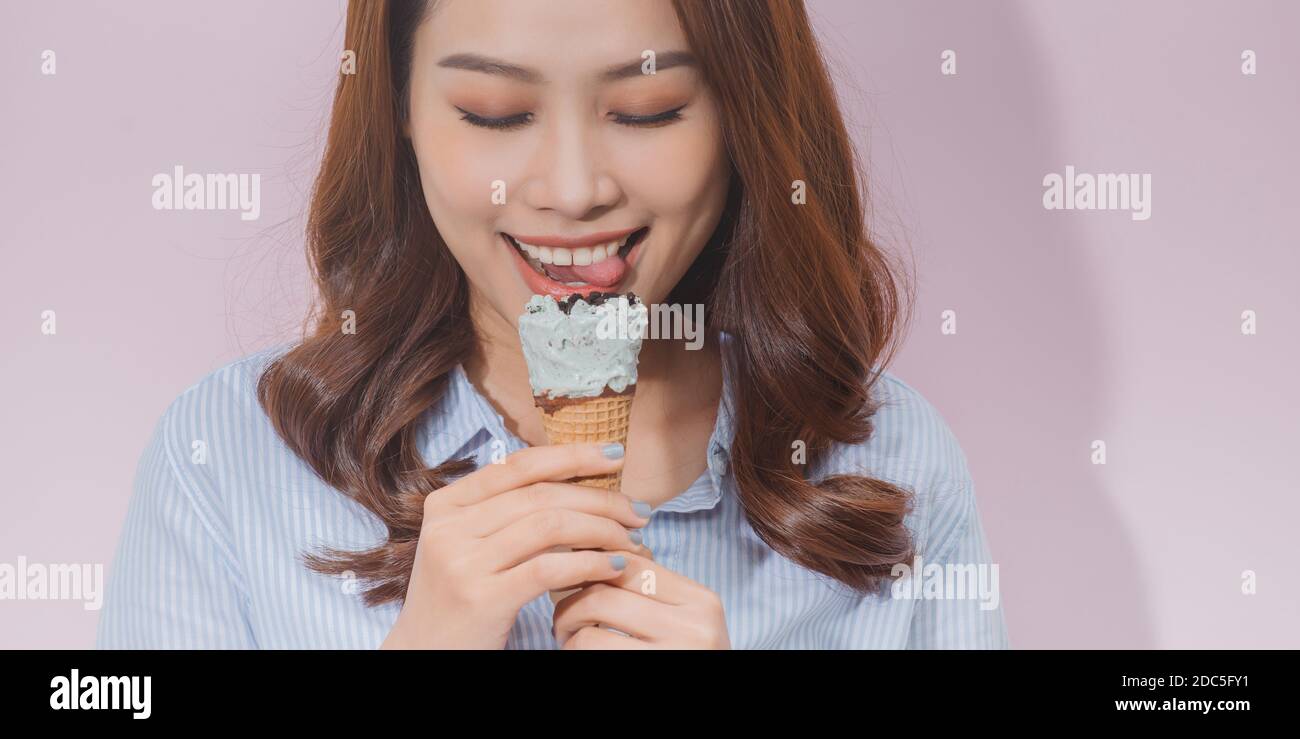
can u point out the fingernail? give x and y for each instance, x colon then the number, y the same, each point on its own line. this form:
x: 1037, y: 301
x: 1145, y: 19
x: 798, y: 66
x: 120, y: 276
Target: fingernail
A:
x: 618, y: 561
x: 613, y: 451
x: 635, y: 536
x: 641, y: 508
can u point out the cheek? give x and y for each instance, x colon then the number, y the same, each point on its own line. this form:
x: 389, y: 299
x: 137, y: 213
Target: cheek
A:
x: 457, y: 171
x: 456, y: 174
x: 675, y: 174
x: 682, y: 181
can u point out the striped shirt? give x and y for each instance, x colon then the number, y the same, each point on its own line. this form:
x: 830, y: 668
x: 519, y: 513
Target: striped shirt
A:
x: 222, y: 509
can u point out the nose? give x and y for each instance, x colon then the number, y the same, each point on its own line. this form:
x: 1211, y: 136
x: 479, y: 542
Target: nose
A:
x: 570, y: 175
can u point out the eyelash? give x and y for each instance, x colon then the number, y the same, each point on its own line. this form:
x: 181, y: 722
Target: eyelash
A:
x: 516, y: 121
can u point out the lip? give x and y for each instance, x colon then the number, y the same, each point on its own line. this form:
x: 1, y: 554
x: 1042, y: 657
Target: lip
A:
x: 574, y: 242
x: 543, y: 285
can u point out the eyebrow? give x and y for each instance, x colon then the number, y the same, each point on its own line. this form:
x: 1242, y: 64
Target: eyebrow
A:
x: 488, y: 65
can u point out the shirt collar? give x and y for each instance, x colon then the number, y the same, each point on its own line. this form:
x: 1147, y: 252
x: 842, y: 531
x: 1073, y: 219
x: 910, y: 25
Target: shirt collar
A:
x: 464, y: 414
x: 461, y: 415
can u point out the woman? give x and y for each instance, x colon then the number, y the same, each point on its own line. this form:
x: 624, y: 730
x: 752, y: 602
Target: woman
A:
x: 342, y: 492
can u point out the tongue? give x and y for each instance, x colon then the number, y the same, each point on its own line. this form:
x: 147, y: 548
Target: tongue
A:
x: 604, y: 273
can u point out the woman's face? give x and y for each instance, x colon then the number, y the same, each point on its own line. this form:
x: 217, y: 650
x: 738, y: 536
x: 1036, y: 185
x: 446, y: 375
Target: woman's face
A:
x: 543, y: 143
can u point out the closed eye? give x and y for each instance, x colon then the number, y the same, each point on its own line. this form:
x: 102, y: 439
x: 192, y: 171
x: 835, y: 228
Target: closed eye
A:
x: 658, y: 119
x: 507, y: 123
x: 522, y: 119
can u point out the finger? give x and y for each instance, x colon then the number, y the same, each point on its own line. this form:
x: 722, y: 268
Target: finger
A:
x: 592, y: 637
x: 641, y: 551
x: 555, y: 462
x: 606, y: 605
x: 645, y: 576
x: 560, y: 570
x: 550, y: 528
x: 497, y: 512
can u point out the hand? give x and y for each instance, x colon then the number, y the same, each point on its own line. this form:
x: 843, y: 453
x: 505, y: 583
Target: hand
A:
x: 659, y: 608
x: 484, y: 544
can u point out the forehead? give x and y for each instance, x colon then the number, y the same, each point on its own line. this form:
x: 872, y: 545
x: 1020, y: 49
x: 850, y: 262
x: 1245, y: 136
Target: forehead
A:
x: 558, y: 37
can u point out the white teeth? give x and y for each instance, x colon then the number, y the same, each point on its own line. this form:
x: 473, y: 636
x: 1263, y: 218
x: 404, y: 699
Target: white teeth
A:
x: 581, y: 256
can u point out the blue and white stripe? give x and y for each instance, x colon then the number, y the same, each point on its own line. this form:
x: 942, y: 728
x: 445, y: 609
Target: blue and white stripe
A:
x: 209, y: 552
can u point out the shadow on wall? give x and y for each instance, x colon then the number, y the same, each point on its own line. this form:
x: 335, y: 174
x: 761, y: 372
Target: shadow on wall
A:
x: 956, y: 165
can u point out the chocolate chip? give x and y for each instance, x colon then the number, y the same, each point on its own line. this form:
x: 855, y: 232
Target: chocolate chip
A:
x: 593, y: 299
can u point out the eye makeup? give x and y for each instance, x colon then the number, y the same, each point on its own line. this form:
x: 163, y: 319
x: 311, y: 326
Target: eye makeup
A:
x: 519, y: 120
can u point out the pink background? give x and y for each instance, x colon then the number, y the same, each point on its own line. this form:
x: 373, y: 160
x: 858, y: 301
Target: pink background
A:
x: 1072, y: 325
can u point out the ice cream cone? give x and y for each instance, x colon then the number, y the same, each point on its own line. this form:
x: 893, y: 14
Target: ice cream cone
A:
x: 601, y: 419
x: 582, y: 356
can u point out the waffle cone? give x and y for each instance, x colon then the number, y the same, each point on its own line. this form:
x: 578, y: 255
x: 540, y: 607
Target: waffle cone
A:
x: 601, y: 419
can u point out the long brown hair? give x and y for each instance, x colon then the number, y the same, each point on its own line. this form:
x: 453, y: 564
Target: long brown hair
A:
x: 812, y: 304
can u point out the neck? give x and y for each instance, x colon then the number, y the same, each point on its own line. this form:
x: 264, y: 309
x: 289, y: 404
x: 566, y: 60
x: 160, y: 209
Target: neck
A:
x: 670, y: 378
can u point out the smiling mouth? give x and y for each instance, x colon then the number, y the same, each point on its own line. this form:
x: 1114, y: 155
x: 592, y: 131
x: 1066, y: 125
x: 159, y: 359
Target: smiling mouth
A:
x: 587, y: 266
